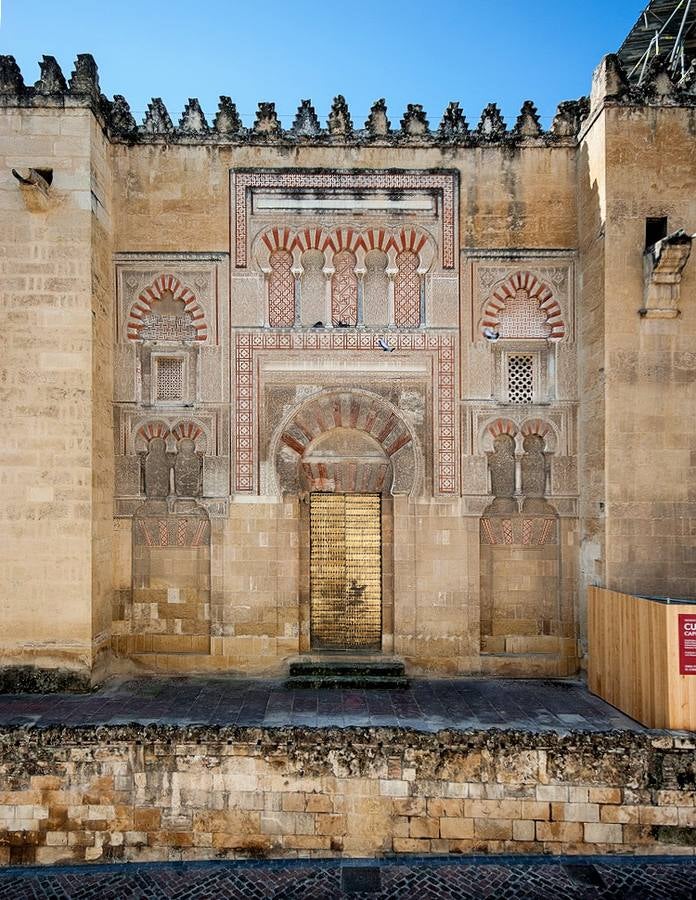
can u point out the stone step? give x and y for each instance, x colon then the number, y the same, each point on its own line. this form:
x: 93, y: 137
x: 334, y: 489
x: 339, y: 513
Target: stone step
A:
x: 333, y: 672
x: 336, y: 666
x: 375, y: 682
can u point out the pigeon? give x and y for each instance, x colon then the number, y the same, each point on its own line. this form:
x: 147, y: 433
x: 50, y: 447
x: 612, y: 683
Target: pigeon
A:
x: 318, y: 325
x: 491, y: 334
x: 385, y: 345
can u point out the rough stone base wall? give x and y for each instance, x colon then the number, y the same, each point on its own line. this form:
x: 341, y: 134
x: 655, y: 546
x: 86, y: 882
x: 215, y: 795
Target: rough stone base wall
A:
x: 153, y: 793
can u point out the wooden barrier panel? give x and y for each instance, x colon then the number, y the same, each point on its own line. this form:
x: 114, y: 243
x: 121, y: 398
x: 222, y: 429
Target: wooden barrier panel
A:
x: 634, y: 657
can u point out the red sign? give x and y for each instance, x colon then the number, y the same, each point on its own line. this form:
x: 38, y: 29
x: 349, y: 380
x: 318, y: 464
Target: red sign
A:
x: 687, y: 644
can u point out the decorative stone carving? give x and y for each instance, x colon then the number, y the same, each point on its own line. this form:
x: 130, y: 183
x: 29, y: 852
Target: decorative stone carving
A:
x: 267, y: 122
x: 453, y: 125
x: 11, y: 81
x: 52, y: 80
x: 407, y: 285
x: 569, y: 117
x: 121, y: 118
x: 306, y: 122
x: 377, y: 124
x: 663, y: 265
x: 344, y: 290
x: 501, y: 464
x: 227, y: 119
x: 156, y: 470
x: 188, y: 470
x: 534, y: 471
x: 526, y: 531
x: 339, y: 122
x: 658, y: 83
x: 492, y: 124
x: 528, y: 124
x: 166, y: 310
x: 414, y: 122
x: 192, y: 119
x: 281, y: 290
x: 157, y: 119
x: 85, y: 76
x: 523, y: 306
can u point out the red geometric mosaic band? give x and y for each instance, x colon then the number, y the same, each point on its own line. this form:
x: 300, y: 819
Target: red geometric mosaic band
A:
x: 442, y: 182
x: 248, y: 343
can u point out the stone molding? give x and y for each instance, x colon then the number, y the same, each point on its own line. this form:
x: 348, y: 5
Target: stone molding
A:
x: 248, y: 343
x: 245, y: 181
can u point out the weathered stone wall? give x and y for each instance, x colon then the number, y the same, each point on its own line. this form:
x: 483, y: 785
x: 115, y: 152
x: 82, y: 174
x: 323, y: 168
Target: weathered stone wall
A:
x: 536, y: 233
x: 650, y: 364
x: 57, y: 477
x: 591, y: 378
x: 161, y: 794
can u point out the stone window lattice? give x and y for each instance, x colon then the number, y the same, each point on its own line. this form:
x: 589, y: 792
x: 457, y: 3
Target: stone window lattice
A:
x: 170, y: 380
x: 520, y: 378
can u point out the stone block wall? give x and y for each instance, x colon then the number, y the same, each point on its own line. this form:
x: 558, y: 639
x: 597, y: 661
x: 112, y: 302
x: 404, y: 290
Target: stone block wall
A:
x: 147, y: 794
x: 56, y: 459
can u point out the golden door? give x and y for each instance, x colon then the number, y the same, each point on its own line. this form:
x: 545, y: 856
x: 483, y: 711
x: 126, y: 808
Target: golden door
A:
x: 346, y: 571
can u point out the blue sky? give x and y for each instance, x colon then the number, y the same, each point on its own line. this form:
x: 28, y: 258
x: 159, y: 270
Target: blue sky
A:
x: 408, y: 52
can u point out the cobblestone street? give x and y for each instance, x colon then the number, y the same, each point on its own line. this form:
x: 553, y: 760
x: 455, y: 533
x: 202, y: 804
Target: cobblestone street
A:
x: 430, y: 879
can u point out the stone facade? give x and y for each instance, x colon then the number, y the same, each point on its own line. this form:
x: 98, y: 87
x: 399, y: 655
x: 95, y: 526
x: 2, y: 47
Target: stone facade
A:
x: 207, y: 322
x: 147, y: 793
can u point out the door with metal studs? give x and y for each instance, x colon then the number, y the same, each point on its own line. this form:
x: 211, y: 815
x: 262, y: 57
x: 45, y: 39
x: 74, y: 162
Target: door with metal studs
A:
x: 345, y: 572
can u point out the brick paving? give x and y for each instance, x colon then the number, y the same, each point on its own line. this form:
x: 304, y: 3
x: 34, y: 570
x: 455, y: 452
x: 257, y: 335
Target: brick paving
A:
x: 425, y: 879
x: 427, y: 705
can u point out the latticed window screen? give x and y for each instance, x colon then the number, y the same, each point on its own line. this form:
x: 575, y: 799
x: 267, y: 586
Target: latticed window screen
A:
x: 170, y: 379
x: 520, y: 378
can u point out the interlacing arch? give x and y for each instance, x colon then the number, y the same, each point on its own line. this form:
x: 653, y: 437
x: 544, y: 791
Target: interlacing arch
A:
x: 524, y: 307
x: 145, y: 306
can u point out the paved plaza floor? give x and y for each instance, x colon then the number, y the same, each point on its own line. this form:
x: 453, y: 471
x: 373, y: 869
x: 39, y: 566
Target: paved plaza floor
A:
x: 427, y: 705
x: 424, y: 878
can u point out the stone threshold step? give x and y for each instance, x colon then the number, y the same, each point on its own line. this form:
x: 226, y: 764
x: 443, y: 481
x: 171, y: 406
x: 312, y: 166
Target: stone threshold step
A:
x: 358, y: 681
x: 349, y: 667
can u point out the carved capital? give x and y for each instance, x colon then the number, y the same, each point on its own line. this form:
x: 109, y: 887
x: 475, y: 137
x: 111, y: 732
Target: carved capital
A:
x: 663, y: 265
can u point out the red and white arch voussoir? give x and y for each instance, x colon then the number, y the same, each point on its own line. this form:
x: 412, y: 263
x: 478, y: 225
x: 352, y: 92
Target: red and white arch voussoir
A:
x: 502, y: 426
x: 345, y: 239
x: 151, y: 430
x: 152, y: 294
x: 409, y: 239
x: 312, y: 239
x: 187, y: 429
x: 376, y: 239
x: 278, y: 239
x: 536, y: 290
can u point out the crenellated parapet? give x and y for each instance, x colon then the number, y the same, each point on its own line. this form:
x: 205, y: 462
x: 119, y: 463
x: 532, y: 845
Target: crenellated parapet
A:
x: 610, y: 86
